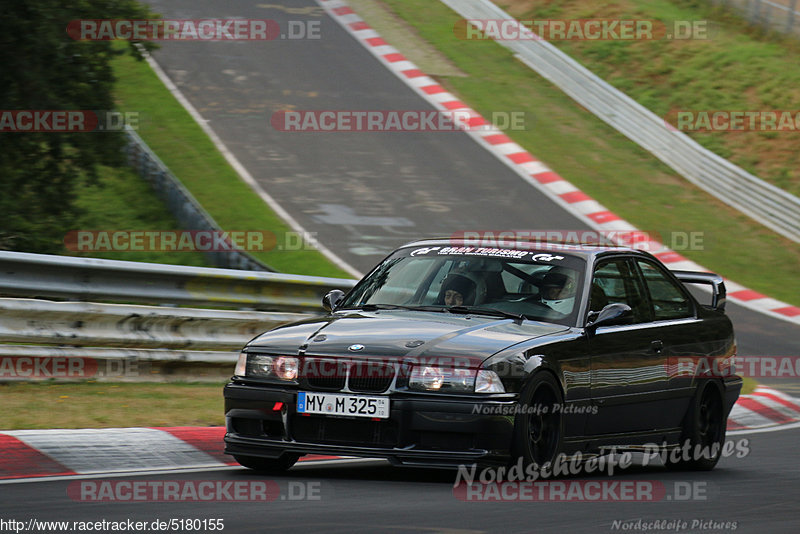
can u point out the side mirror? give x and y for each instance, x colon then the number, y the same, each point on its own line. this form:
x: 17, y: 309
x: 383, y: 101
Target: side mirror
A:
x: 330, y: 300
x: 612, y: 314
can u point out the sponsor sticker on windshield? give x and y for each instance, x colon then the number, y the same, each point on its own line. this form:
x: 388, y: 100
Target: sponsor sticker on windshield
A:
x: 485, y: 252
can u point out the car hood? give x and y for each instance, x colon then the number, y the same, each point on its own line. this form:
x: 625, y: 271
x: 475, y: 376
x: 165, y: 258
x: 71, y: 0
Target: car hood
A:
x: 401, y: 334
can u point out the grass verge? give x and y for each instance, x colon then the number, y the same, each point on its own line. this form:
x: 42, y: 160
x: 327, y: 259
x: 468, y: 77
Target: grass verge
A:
x: 731, y: 65
x: 120, y: 200
x: 748, y: 385
x: 603, y: 163
x: 109, y: 405
x: 175, y: 137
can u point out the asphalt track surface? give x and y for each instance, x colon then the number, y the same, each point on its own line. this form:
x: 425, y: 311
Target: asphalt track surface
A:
x: 365, y: 194
x: 757, y: 492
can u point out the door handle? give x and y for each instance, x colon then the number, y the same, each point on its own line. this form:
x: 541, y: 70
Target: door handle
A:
x: 657, y: 346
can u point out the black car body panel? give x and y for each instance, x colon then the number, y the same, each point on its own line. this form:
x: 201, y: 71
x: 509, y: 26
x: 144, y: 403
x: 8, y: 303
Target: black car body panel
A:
x: 623, y: 384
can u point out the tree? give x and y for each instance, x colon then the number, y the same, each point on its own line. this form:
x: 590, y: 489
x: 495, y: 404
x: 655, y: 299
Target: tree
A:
x: 43, y: 68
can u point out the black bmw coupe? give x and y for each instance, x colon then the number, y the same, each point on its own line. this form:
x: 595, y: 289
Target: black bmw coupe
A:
x: 452, y: 353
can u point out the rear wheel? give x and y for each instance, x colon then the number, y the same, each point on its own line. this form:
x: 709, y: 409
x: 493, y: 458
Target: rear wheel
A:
x: 268, y: 465
x: 704, y: 430
x: 538, y: 425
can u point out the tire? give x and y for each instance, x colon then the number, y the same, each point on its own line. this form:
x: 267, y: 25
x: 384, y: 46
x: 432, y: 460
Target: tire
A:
x: 268, y: 465
x: 538, y: 433
x: 704, y: 429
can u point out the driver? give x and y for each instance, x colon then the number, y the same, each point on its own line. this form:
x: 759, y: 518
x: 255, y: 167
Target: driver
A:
x: 558, y: 289
x: 458, y: 290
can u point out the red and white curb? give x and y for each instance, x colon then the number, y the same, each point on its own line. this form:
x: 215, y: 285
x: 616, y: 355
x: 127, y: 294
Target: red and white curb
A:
x: 64, y: 452
x: 85, y: 452
x: 530, y: 168
x: 764, y: 408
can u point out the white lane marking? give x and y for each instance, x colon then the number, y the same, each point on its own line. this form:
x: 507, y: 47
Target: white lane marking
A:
x: 243, y: 173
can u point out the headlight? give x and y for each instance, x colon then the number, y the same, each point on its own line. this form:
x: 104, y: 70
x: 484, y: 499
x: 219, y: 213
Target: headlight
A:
x: 263, y: 366
x: 454, y: 380
x: 286, y: 368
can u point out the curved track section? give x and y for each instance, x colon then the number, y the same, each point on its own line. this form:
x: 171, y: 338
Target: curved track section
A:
x: 365, y: 193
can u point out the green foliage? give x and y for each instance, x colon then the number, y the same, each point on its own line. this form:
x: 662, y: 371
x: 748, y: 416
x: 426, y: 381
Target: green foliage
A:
x: 44, y: 69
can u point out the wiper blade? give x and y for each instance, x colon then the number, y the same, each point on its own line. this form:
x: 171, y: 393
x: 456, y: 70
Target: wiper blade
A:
x: 486, y: 311
x: 375, y: 307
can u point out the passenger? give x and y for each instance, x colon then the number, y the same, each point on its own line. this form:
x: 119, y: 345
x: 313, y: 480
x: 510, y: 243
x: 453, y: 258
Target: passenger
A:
x: 558, y: 289
x: 458, y: 290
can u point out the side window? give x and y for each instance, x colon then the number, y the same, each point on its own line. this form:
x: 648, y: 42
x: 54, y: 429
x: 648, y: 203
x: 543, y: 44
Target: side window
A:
x: 612, y: 283
x: 669, y: 300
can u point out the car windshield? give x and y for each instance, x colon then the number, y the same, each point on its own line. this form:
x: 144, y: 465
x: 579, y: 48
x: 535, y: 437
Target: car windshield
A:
x: 537, y: 285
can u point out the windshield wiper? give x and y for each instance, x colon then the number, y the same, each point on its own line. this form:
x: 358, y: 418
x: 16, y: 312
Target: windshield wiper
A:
x: 375, y: 307
x: 487, y: 311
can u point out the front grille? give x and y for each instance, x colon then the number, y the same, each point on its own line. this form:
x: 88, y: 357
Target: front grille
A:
x: 361, y: 376
x: 369, y: 377
x: 334, y: 431
x: 321, y: 373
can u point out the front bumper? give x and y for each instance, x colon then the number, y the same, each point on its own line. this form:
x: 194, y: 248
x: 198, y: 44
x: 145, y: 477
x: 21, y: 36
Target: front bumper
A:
x: 423, y: 429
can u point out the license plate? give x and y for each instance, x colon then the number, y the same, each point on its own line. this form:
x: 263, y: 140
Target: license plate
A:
x: 338, y: 404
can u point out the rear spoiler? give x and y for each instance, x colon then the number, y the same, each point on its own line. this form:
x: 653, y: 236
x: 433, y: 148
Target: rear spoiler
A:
x: 714, y: 280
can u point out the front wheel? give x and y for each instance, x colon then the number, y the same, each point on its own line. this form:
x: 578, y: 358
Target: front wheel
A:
x: 538, y: 425
x: 268, y: 465
x: 704, y: 431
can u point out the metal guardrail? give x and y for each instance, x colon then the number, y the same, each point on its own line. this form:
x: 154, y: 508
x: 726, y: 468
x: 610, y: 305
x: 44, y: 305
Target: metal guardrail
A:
x: 119, y: 325
x: 182, y: 205
x: 34, y: 331
x: 88, y: 279
x: 767, y: 204
x: 779, y: 15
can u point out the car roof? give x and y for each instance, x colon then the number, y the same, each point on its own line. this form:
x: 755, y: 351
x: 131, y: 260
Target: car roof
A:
x: 585, y: 250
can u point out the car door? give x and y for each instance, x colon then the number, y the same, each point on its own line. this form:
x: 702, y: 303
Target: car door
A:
x: 628, y: 364
x: 685, y: 336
